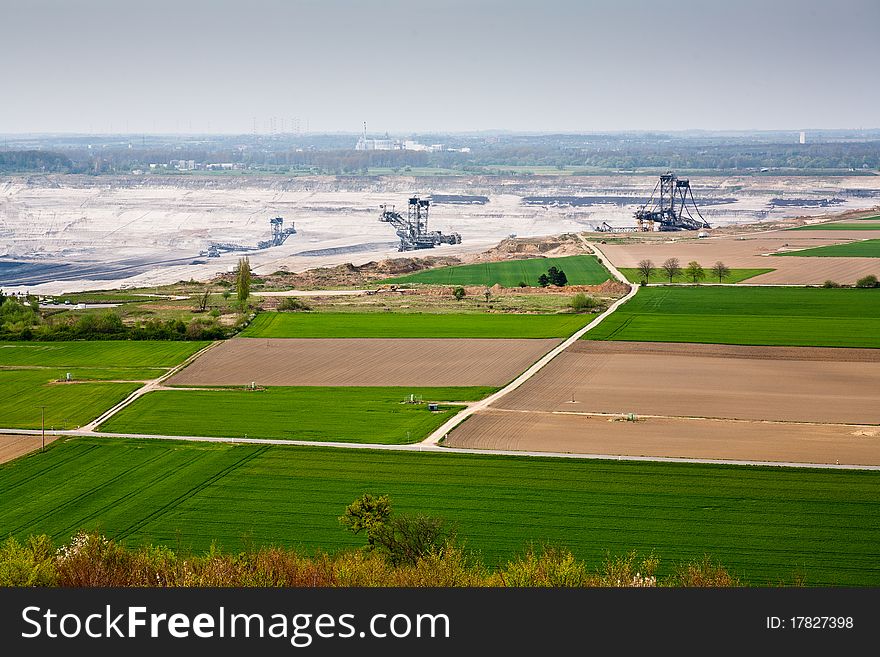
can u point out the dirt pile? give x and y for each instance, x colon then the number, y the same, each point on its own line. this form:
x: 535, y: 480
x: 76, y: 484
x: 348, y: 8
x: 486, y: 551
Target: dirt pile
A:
x: 516, y: 248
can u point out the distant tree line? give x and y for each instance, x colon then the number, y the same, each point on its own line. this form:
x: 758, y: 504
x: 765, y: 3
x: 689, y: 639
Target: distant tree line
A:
x: 332, y: 156
x: 22, y: 321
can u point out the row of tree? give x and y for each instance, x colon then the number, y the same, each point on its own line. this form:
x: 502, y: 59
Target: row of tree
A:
x: 672, y: 269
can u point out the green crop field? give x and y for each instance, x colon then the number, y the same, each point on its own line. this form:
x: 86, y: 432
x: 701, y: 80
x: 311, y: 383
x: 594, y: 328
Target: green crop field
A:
x: 580, y: 270
x: 860, y: 249
x: 659, y: 276
x: 876, y: 217
x: 103, y: 374
x: 747, y: 315
x: 68, y: 405
x: 872, y: 226
x: 414, y: 325
x: 98, y: 353
x: 765, y: 524
x: 365, y: 415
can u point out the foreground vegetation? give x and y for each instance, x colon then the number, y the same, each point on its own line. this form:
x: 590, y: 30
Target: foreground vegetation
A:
x: 335, y: 414
x: 91, y: 560
x: 403, y: 325
x: 861, y: 249
x: 765, y: 524
x: 579, y: 270
x: 749, y: 315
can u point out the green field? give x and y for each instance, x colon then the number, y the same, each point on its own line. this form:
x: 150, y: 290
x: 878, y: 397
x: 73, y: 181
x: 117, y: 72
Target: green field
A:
x: 876, y: 217
x: 765, y: 524
x: 580, y: 270
x: 68, y: 405
x: 748, y: 315
x: 103, y: 372
x: 363, y: 415
x: 875, y: 226
x: 98, y: 353
x: 414, y: 325
x: 860, y: 249
x: 659, y: 276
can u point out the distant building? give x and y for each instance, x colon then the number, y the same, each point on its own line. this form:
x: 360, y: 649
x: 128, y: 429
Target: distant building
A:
x: 364, y: 144
x: 803, y: 137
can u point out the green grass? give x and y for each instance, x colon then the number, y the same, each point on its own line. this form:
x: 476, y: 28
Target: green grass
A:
x: 413, y: 325
x: 580, y: 270
x: 861, y: 249
x: 352, y: 414
x: 68, y: 405
x: 839, y: 227
x: 98, y: 353
x: 876, y: 217
x: 748, y: 315
x: 659, y: 276
x: 765, y: 524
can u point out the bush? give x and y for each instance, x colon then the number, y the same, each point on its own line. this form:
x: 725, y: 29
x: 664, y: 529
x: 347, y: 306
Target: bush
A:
x: 581, y: 302
x: 829, y: 284
x: 868, y: 281
x: 293, y: 304
x: 459, y: 293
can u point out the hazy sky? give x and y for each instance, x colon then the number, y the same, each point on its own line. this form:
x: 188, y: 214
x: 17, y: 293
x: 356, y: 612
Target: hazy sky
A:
x: 438, y: 65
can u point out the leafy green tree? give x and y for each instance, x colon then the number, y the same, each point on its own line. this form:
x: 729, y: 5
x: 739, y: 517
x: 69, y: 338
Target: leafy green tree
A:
x: 868, y: 281
x: 543, y: 280
x: 557, y: 277
x: 459, y: 293
x: 367, y: 514
x: 695, y: 272
x: 243, y: 280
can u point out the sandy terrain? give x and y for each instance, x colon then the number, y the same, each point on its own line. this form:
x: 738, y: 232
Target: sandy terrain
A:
x: 704, y: 381
x: 364, y: 362
x: 154, y: 227
x: 717, y: 439
x: 13, y: 446
x: 756, y: 251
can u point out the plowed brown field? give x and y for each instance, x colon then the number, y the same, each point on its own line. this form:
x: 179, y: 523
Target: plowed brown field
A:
x: 363, y: 362
x: 13, y: 446
x: 792, y: 384
x: 669, y: 437
x: 750, y: 251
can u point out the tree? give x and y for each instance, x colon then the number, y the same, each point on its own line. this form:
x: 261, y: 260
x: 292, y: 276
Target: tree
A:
x: 401, y: 539
x: 868, y: 281
x: 543, y: 280
x: 672, y: 268
x: 645, y: 269
x: 203, y: 300
x: 720, y: 270
x: 488, y: 294
x: 367, y: 514
x: 695, y: 271
x: 459, y: 293
x: 556, y: 277
x: 243, y: 280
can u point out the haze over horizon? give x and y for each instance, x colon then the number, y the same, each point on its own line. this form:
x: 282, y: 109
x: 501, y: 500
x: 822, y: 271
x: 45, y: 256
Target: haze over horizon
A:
x: 96, y: 66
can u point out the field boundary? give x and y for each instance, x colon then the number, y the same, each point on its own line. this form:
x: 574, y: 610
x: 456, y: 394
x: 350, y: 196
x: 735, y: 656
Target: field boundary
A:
x: 436, y: 449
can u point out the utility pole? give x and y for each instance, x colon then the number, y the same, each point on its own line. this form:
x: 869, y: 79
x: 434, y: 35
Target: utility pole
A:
x: 43, y: 428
